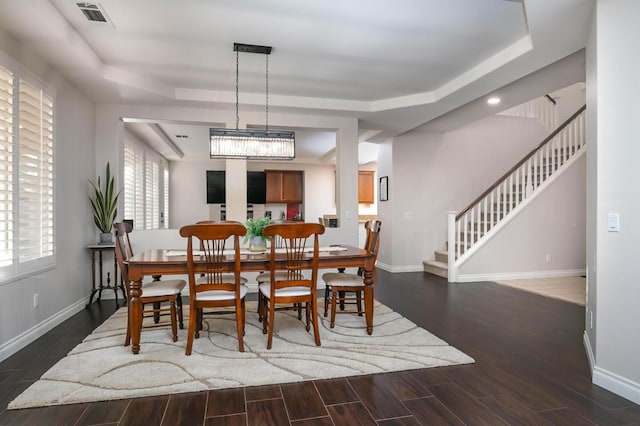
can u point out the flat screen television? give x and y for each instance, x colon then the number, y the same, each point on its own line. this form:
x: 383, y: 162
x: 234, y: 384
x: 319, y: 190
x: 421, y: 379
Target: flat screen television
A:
x: 216, y: 193
x: 256, y: 188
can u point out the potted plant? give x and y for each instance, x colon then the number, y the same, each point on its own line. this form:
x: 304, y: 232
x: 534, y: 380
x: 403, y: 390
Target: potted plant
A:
x: 257, y: 240
x: 104, y: 202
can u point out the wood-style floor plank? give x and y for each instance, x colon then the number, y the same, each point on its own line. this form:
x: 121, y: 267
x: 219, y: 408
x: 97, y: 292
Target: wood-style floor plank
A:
x: 302, y: 400
x: 232, y: 420
x: 225, y: 401
x: 257, y: 393
x: 336, y: 391
x: 185, y: 409
x: 267, y: 412
x: 147, y: 411
x: 375, y: 393
x: 400, y: 421
x: 353, y: 413
x: 430, y: 411
x: 103, y: 412
x: 460, y: 403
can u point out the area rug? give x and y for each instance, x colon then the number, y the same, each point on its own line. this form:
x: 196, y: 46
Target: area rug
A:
x: 101, y: 368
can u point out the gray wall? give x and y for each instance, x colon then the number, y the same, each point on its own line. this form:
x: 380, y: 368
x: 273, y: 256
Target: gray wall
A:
x: 63, y: 289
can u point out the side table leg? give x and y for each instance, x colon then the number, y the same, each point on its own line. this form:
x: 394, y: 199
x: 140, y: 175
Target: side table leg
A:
x: 100, y: 269
x: 93, y: 277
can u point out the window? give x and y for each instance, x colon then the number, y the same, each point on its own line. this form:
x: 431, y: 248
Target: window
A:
x: 144, y: 184
x: 27, y: 239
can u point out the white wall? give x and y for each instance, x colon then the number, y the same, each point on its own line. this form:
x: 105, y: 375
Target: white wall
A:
x: 63, y: 289
x: 553, y: 225
x: 617, y: 364
x: 434, y: 173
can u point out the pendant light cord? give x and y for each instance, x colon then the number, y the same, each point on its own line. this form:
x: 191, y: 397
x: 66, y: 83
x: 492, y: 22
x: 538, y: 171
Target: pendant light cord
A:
x: 237, y: 89
x: 267, y: 93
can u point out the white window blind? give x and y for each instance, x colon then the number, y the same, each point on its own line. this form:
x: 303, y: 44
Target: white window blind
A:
x: 143, y: 188
x: 152, y: 195
x: 134, y: 187
x: 35, y: 171
x: 165, y: 197
x: 27, y: 235
x: 6, y: 168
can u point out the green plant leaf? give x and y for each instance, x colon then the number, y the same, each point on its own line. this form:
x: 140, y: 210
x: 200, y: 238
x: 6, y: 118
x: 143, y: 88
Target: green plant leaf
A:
x: 104, y: 202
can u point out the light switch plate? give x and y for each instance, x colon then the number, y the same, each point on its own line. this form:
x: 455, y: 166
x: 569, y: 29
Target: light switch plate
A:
x: 613, y: 222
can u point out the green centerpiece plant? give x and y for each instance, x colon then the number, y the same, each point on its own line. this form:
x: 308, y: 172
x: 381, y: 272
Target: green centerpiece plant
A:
x: 104, y: 202
x: 255, y: 235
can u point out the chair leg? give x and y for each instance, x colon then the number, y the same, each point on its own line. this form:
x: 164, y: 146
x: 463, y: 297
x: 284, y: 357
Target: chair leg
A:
x: 265, y: 321
x: 239, y: 323
x: 260, y: 301
x: 314, y: 313
x: 198, y: 322
x: 298, y: 306
x: 156, y: 312
x: 193, y: 314
x: 359, y: 302
x: 174, y: 323
x: 244, y: 317
x: 342, y: 294
x: 306, y: 311
x: 179, y: 306
x: 327, y: 291
x: 272, y: 313
x: 334, y: 296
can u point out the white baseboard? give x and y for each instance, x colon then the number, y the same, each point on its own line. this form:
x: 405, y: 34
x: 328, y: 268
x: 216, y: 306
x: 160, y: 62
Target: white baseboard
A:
x: 20, y: 341
x: 587, y: 347
x: 470, y: 278
x: 398, y: 269
x: 617, y: 384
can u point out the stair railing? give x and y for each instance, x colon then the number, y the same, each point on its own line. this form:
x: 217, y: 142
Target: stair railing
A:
x: 469, y: 226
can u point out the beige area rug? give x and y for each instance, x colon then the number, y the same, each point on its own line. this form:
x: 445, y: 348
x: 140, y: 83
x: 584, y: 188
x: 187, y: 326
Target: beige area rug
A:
x: 569, y: 289
x: 100, y: 368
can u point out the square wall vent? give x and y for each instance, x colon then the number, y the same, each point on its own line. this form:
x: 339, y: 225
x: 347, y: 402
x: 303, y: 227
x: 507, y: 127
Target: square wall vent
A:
x: 94, y: 13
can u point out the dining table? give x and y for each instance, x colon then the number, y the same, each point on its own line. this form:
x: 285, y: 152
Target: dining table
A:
x: 155, y: 262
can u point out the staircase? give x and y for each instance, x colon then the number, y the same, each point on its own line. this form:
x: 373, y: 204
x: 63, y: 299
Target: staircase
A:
x: 483, y: 217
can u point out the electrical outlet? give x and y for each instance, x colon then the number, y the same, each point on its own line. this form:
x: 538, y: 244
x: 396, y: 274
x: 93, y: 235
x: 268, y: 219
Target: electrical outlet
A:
x: 548, y: 258
x: 590, y: 319
x: 36, y: 302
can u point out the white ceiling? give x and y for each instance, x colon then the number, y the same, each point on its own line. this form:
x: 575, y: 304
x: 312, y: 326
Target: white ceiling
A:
x: 393, y: 65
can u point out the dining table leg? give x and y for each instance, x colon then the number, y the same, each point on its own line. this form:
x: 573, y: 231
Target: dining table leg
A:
x: 135, y: 309
x: 368, y: 298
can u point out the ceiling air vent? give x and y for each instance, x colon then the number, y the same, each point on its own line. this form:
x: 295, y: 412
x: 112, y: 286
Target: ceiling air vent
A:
x: 93, y: 12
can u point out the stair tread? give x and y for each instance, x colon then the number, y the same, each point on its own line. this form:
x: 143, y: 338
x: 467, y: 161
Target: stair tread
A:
x: 435, y: 264
x: 442, y: 252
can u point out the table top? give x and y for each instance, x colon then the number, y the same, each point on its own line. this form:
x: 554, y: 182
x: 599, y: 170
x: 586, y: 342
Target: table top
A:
x: 110, y: 246
x: 170, y: 256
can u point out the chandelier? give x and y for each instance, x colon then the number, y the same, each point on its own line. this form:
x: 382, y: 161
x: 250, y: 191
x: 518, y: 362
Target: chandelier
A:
x: 252, y: 143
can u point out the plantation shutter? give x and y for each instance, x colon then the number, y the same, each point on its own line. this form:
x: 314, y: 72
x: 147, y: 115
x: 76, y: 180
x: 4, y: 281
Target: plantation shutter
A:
x: 152, y: 195
x: 35, y: 177
x: 133, y: 187
x: 166, y: 198
x: 6, y: 169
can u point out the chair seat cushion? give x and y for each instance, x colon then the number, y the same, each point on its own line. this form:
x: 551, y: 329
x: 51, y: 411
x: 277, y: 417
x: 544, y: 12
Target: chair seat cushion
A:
x: 285, y: 292
x: 228, y: 278
x: 335, y: 279
x: 162, y: 288
x: 265, y: 277
x: 221, y: 294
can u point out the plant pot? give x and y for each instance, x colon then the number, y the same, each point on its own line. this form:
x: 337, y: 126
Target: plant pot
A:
x: 257, y: 244
x: 106, y: 238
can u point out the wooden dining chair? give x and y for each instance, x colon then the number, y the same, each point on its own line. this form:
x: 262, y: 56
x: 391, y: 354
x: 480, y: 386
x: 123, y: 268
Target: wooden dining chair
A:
x: 294, y: 287
x: 215, y: 289
x: 339, y: 285
x: 154, y: 293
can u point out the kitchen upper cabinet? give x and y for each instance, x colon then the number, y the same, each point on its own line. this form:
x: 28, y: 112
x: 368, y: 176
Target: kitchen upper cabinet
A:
x: 284, y: 186
x: 366, y: 186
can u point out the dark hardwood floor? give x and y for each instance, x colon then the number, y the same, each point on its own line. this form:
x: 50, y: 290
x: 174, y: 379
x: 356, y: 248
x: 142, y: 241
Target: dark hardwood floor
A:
x: 530, y: 368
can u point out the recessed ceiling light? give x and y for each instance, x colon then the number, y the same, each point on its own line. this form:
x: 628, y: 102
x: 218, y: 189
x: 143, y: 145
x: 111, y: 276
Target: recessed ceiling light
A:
x: 493, y: 101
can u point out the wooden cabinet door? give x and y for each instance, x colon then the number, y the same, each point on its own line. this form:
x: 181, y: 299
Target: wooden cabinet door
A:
x: 366, y: 186
x: 292, y: 187
x: 274, y: 187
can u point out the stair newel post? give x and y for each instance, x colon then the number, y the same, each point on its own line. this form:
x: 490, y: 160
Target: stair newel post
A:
x: 451, y: 246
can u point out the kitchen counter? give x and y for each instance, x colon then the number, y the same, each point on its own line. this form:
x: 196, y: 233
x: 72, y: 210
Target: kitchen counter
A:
x: 361, y: 217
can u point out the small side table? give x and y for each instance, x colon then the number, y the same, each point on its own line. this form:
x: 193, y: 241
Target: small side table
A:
x: 99, y: 249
